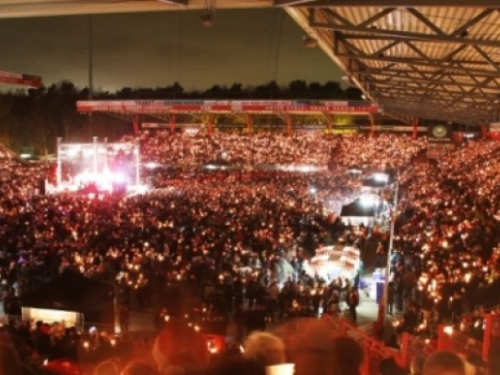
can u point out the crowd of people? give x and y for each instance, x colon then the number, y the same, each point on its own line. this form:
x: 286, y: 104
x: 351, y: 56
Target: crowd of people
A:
x: 227, y: 247
x: 447, y: 233
x: 309, y: 148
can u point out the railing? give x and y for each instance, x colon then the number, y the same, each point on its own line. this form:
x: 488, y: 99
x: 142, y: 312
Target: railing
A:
x: 375, y: 350
x: 492, y: 336
x: 412, y: 346
x: 459, y: 342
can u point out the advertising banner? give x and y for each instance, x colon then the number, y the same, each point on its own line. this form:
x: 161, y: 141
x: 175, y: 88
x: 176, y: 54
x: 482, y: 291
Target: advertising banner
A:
x: 495, y: 127
x: 440, y: 133
x: 21, y: 79
x: 226, y: 106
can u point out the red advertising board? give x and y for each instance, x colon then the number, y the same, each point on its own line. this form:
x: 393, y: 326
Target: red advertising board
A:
x: 20, y: 79
x: 159, y: 106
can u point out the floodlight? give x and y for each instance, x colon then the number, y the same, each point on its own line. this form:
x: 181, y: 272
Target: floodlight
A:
x: 369, y: 200
x: 207, y: 18
x: 354, y: 170
x: 118, y: 177
x: 309, y: 41
x: 381, y: 177
x: 73, y: 151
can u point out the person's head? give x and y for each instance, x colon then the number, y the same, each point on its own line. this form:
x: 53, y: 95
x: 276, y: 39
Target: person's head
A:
x: 264, y: 348
x: 239, y: 366
x: 348, y: 355
x: 139, y: 368
x: 417, y: 365
x: 9, y: 360
x: 388, y: 366
x: 107, y: 368
x: 443, y: 363
x: 310, y: 348
x: 179, y: 346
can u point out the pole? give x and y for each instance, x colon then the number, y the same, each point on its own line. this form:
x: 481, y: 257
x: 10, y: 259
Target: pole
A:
x: 172, y: 119
x: 389, y: 250
x: 415, y: 127
x: 94, y: 167
x: 288, y: 118
x: 106, y: 166
x: 137, y: 162
x: 249, y: 123
x: 90, y: 67
x: 372, y: 125
x: 487, y: 337
x: 59, y: 163
x: 91, y: 57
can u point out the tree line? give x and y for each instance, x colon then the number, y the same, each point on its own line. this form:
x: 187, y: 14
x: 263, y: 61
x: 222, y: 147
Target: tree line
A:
x: 33, y: 119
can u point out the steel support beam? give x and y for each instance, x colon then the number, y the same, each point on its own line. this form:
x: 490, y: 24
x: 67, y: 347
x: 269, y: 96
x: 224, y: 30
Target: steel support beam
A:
x: 445, y: 109
x: 399, y: 34
x: 485, y: 56
x: 379, y: 56
x: 446, y: 66
x: 445, y: 105
x: 390, y: 3
x: 376, y: 17
x: 472, y: 22
x: 427, y: 113
x: 426, y: 21
x: 399, y: 81
x: 283, y: 3
x: 396, y: 93
x: 397, y: 73
x: 174, y: 2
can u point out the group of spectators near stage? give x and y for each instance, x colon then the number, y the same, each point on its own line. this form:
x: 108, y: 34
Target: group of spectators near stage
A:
x: 221, y: 241
x: 303, y: 348
x: 188, y: 150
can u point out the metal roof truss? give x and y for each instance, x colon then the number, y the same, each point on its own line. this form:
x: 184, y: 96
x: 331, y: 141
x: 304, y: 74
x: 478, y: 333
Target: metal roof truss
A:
x: 441, y: 55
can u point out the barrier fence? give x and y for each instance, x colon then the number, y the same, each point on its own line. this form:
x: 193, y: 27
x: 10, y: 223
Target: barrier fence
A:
x: 458, y: 342
x: 411, y: 346
x: 492, y: 350
x: 376, y: 351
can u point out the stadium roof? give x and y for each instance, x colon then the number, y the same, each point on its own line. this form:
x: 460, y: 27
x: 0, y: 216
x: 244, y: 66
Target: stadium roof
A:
x: 37, y: 8
x: 432, y: 59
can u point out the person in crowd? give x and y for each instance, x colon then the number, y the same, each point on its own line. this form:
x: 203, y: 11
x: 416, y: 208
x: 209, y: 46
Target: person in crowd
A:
x: 237, y: 365
x: 107, y: 367
x: 444, y: 363
x: 390, y: 297
x: 417, y: 365
x: 207, y: 242
x: 309, y: 346
x: 179, y: 348
x: 348, y: 356
x: 137, y: 367
x: 10, y: 364
x: 353, y: 302
x: 264, y: 348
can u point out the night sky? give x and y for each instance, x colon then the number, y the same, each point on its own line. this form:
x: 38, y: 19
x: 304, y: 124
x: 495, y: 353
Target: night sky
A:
x: 251, y: 46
